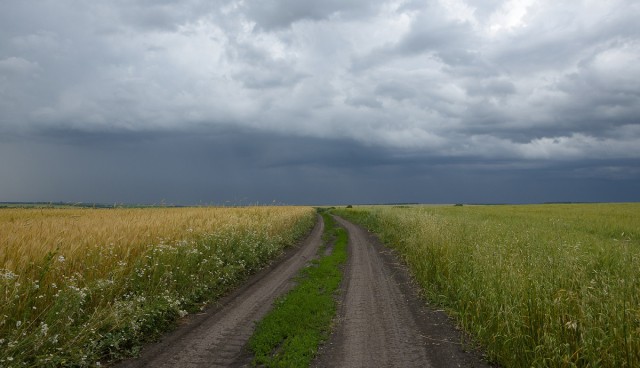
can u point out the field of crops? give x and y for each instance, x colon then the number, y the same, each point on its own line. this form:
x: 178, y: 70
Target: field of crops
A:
x: 540, y: 285
x: 82, y: 285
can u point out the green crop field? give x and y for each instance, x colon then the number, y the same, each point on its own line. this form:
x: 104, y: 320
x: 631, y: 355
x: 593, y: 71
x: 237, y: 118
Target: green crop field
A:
x: 537, y: 285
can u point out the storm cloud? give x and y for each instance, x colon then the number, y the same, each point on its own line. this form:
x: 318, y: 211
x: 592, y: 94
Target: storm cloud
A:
x: 329, y: 102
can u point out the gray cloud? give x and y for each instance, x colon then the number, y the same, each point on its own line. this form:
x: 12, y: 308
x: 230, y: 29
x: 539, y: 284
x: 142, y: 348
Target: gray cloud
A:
x: 448, y: 87
x: 249, y: 166
x: 269, y: 15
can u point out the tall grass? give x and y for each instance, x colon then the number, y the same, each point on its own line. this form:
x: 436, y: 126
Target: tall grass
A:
x: 80, y: 286
x: 543, y: 285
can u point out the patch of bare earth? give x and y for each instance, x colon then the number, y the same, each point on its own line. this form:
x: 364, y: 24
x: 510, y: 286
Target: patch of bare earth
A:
x: 382, y: 320
x: 216, y: 337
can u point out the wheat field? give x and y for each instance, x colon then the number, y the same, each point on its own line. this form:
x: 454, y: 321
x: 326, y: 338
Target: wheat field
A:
x: 81, y: 286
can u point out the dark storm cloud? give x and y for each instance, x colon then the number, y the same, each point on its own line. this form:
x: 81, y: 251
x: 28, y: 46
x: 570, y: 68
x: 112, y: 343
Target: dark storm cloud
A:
x: 233, y: 166
x: 385, y: 94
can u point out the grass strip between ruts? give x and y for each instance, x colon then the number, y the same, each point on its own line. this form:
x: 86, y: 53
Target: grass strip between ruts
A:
x: 290, y: 334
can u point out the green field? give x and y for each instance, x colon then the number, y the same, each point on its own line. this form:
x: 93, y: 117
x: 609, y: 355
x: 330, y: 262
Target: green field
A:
x: 536, y: 285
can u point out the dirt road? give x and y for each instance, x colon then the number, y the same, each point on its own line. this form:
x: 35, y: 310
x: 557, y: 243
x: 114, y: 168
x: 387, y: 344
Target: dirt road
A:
x: 215, y: 338
x: 382, y: 321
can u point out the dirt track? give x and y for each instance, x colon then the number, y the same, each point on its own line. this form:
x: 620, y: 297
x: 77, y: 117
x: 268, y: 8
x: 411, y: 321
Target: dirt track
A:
x: 216, y: 337
x: 382, y: 322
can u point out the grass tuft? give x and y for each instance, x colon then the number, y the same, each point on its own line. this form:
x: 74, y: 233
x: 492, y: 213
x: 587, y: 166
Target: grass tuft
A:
x: 290, y: 334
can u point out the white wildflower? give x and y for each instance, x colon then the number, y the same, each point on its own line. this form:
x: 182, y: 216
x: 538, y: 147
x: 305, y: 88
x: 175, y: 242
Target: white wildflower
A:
x: 61, y: 258
x: 571, y: 325
x: 44, y: 329
x: 7, y: 275
x: 18, y: 324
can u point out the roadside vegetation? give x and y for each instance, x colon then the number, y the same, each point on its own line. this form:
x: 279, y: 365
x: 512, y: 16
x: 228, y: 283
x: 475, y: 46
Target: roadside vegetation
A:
x: 290, y: 334
x: 539, y: 285
x: 81, y: 286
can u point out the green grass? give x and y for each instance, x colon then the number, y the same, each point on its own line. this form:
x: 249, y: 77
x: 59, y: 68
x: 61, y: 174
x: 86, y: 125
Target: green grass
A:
x: 290, y: 334
x: 539, y: 285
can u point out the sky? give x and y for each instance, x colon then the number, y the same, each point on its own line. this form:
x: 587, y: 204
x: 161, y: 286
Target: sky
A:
x: 324, y: 102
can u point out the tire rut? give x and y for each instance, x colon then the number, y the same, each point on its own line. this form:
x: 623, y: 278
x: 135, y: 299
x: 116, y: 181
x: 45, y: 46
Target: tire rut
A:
x: 382, y: 321
x: 375, y: 329
x: 216, y: 338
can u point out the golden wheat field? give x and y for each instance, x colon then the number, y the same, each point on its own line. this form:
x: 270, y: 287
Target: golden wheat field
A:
x: 78, y: 286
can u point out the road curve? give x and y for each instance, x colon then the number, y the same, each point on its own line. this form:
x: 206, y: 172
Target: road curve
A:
x: 216, y: 337
x: 382, y: 321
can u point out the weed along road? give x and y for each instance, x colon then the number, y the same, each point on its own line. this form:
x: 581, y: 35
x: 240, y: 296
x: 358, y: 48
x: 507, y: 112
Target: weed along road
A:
x: 382, y: 322
x: 216, y: 337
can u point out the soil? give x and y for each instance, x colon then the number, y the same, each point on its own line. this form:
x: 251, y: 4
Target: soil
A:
x: 382, y: 320
x: 216, y: 337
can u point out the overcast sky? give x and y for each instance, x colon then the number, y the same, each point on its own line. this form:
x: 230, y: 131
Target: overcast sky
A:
x: 335, y: 101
